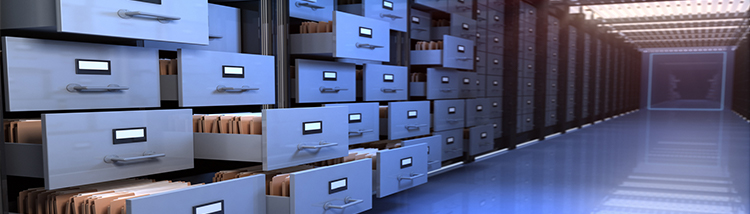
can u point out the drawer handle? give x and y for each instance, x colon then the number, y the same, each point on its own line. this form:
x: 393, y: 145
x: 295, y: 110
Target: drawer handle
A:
x: 320, y: 145
x: 393, y: 17
x: 110, y: 88
x: 334, y: 89
x: 391, y: 90
x: 222, y: 88
x: 412, y: 176
x: 446, y: 90
x: 454, y: 120
x: 360, y: 132
x: 415, y: 126
x: 368, y: 46
x: 348, y: 202
x: 146, y: 156
x: 419, y: 29
x: 126, y: 14
x: 311, y: 6
x: 463, y: 8
x: 463, y: 58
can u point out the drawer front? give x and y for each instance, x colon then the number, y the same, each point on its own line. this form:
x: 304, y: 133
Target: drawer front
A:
x: 452, y: 143
x: 481, y: 40
x: 110, y: 76
x: 390, y: 11
x: 497, y: 127
x: 552, y: 70
x: 477, y: 112
x: 551, y: 118
x: 463, y: 26
x: 461, y: 7
x: 570, y: 115
x: 526, y: 104
x: 297, y: 136
x: 495, y: 64
x: 116, y: 19
x: 498, y: 5
x: 448, y: 114
x: 209, y: 78
x: 442, y: 83
x: 526, y: 86
x: 496, y: 107
x: 481, y: 139
x: 420, y: 25
x: 241, y: 195
x: 495, y: 42
x: 481, y: 86
x: 385, y: 82
x: 468, y: 85
x: 324, y: 81
x: 528, y: 122
x: 316, y: 10
x: 364, y: 122
x: 481, y: 62
x: 408, y: 119
x: 494, y: 86
x: 223, y: 26
x: 401, y: 169
x: 496, y: 20
x: 436, y: 4
x: 529, y: 68
x: 529, y: 50
x: 482, y: 14
x: 434, y: 150
x: 458, y: 53
x: 312, y: 189
x: 359, y: 37
x: 80, y: 147
x: 552, y: 87
x: 551, y: 103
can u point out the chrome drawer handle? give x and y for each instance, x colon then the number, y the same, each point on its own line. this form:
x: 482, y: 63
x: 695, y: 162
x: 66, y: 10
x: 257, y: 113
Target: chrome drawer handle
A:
x: 415, y: 126
x: 311, y: 6
x: 126, y: 14
x: 360, y: 132
x: 393, y: 17
x: 446, y: 89
x: 454, y: 120
x: 463, y: 58
x: 146, y: 156
x: 334, y: 89
x: 73, y: 87
x: 368, y: 46
x: 391, y: 90
x: 419, y: 29
x: 222, y: 88
x: 320, y: 145
x: 348, y: 202
x: 412, y: 176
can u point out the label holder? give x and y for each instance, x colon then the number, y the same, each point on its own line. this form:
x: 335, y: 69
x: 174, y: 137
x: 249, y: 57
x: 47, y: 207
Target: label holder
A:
x: 197, y: 209
x: 82, y: 70
x: 461, y: 48
x: 128, y: 139
x: 406, y: 162
x: 411, y: 114
x: 445, y: 79
x: 355, y: 118
x: 388, y: 5
x: 231, y: 74
x: 451, y: 110
x: 365, y: 32
x: 388, y: 77
x: 334, y: 186
x: 312, y: 129
x: 330, y: 76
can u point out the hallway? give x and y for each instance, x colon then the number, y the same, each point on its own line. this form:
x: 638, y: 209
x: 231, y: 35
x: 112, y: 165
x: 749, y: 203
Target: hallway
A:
x: 645, y: 162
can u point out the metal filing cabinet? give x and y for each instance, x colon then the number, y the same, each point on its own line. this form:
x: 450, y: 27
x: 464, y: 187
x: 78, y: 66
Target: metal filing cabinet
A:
x: 384, y: 83
x: 56, y: 75
x: 420, y: 25
x: 457, y: 53
x: 364, y: 122
x: 479, y: 140
x: 315, y: 10
x: 353, y: 37
x: 468, y: 86
x: 448, y: 114
x: 406, y: 119
x: 460, y: 26
x: 494, y: 86
x: 452, y: 143
x: 183, y: 21
x: 400, y: 169
x: 87, y: 148
x: 434, y: 150
x: 391, y: 11
x: 325, y: 81
x: 481, y: 40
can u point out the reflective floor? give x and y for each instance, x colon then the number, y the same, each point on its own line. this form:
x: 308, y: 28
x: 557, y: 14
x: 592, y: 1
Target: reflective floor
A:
x: 645, y: 162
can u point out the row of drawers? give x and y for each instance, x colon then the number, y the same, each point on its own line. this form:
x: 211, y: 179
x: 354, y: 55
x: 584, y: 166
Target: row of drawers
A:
x: 326, y: 81
x: 474, y: 140
x: 489, y: 41
x: 489, y: 63
x: 457, y: 53
x: 443, y: 83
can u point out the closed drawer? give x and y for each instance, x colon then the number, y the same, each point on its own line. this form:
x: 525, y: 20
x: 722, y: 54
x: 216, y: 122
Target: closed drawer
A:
x: 482, y: 37
x: 477, y: 112
x: 552, y: 70
x: 468, y: 86
x: 552, y: 87
x: 315, y: 10
x: 384, y: 82
x: 495, y: 42
x: 496, y: 19
x: 400, y: 169
x: 209, y: 78
x: 325, y: 81
x: 461, y: 7
x: 481, y: 62
x: 452, y: 143
x: 353, y: 37
x: 434, y: 150
x: 406, y: 119
x: 79, y: 148
x: 526, y: 122
x: 498, y: 5
x: 241, y: 195
x: 78, y: 75
x: 481, y: 86
x: 480, y: 140
x: 442, y: 83
x: 526, y: 104
x: 551, y: 118
x: 529, y: 50
x: 495, y: 64
x: 183, y: 21
x: 223, y: 31
x: 482, y: 14
x: 457, y: 53
x: 570, y: 116
x: 420, y: 25
x: 495, y: 107
x: 327, y: 189
x: 494, y: 86
x: 497, y: 127
x: 448, y: 114
x: 529, y: 69
x: 551, y: 102
x: 526, y: 86
x: 364, y: 122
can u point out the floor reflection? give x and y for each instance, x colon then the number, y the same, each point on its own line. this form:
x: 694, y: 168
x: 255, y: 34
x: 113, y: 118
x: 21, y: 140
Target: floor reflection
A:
x: 646, y: 162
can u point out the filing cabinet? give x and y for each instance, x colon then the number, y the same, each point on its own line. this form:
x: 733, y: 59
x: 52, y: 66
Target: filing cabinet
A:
x: 400, y: 169
x: 481, y: 62
x: 457, y: 53
x: 494, y: 86
x: 448, y: 114
x: 495, y: 107
x: 481, y: 86
x: 56, y: 75
x: 405, y: 119
x: 452, y: 143
x: 468, y: 86
x: 525, y: 123
x: 460, y: 26
x: 494, y: 64
x: 497, y: 127
x: 420, y: 25
x: 325, y: 81
x: 526, y: 104
x: 384, y: 82
x: 291, y: 137
x: 314, y: 10
x: 391, y: 11
x: 477, y: 112
x: 223, y: 32
x: 182, y: 21
x: 87, y: 148
x: 364, y: 122
x: 461, y: 7
x: 353, y: 37
x: 240, y: 195
x: 434, y: 150
x: 341, y: 188
x: 479, y: 140
x: 210, y: 78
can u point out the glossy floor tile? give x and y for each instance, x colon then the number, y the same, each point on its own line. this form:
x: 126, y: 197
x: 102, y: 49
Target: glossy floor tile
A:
x: 645, y: 162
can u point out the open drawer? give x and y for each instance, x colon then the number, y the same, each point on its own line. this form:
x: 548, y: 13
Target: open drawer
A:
x: 457, y: 53
x: 363, y: 121
x: 400, y: 169
x: 341, y: 189
x: 434, y: 150
x: 353, y: 37
x: 391, y: 11
x: 290, y: 137
x: 223, y: 32
x: 86, y: 148
x: 315, y: 10
x: 405, y: 119
x: 210, y: 78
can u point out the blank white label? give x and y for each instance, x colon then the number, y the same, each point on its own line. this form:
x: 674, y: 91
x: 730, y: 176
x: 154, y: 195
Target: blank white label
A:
x: 93, y: 65
x: 412, y: 113
x: 312, y: 126
x: 388, y: 77
x: 208, y: 209
x: 446, y: 79
x: 365, y: 31
x: 449, y: 140
x: 329, y: 75
x: 461, y: 48
x: 484, y: 135
x: 415, y: 19
x: 494, y: 82
x: 355, y: 117
x: 479, y: 108
x: 388, y: 4
x: 406, y: 161
x: 234, y: 70
x: 494, y: 104
x: 131, y: 133
x: 451, y: 110
x: 467, y: 81
x: 338, y: 184
x: 465, y: 26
